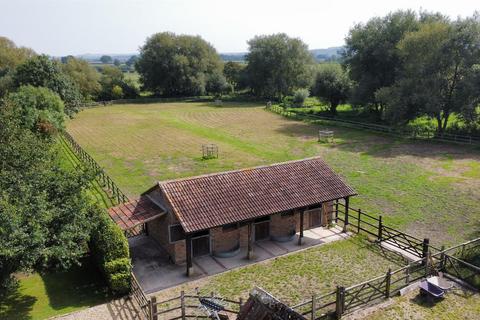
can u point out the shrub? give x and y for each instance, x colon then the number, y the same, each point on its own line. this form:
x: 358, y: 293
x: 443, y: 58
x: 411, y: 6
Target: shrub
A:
x: 109, y: 247
x: 300, y: 95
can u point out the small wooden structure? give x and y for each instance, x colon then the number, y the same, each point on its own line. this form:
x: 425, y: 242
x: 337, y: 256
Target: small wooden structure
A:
x: 325, y: 136
x: 209, y: 151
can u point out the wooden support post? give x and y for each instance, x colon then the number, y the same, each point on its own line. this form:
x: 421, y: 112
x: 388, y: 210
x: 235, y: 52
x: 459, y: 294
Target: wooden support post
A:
x: 442, y: 259
x: 425, y: 249
x: 153, y: 308
x: 188, y: 248
x: 359, y: 220
x: 300, y: 237
x: 380, y: 228
x: 407, y: 278
x: 182, y: 304
x: 336, y: 212
x: 345, y: 225
x: 388, y: 283
x: 250, y: 241
x: 340, y: 302
x: 314, y: 307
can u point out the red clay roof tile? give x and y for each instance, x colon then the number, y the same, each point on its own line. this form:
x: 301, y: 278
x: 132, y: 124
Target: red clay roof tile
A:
x: 213, y: 200
x: 137, y: 211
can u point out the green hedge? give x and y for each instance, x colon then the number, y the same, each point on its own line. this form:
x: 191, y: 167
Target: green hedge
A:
x: 109, y: 247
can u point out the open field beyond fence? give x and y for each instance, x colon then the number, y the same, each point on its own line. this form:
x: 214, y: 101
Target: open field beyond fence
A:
x: 427, y: 189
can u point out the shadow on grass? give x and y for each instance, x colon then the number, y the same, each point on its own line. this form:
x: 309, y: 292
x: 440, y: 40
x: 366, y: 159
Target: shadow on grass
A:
x: 16, y: 306
x: 378, y: 144
x: 80, y: 286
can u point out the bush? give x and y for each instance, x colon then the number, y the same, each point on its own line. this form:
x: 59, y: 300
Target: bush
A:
x: 109, y: 247
x: 299, y: 96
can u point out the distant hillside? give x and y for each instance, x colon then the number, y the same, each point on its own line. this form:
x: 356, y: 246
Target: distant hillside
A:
x: 95, y: 58
x: 328, y: 54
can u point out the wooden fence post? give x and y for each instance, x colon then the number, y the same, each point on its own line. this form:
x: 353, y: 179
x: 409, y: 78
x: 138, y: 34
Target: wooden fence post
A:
x: 345, y: 224
x: 380, y: 228
x: 314, y: 307
x: 442, y: 259
x: 153, y: 308
x: 359, y: 219
x: 340, y: 302
x: 182, y: 304
x: 388, y: 283
x: 425, y: 249
x: 336, y: 211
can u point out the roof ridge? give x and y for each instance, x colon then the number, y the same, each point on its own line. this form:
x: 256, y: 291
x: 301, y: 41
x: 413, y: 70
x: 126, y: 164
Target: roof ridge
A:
x: 160, y: 183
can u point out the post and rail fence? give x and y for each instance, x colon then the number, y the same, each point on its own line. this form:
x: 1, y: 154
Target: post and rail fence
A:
x: 102, y: 177
x: 412, y: 133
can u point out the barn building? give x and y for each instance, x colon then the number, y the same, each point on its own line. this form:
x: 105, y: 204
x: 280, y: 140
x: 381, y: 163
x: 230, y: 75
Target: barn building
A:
x: 222, y: 213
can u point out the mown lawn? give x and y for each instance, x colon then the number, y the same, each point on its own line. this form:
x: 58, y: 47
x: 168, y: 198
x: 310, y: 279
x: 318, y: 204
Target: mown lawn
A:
x: 428, y: 189
x: 41, y: 296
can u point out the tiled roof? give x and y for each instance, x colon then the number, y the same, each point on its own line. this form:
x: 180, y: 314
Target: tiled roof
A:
x: 213, y: 200
x: 130, y: 214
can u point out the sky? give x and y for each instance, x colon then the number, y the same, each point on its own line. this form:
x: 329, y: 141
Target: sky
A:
x: 62, y: 27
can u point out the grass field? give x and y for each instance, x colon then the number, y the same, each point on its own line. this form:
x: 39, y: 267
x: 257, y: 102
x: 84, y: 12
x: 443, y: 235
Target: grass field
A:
x: 431, y: 190
x: 295, y: 278
x: 41, y: 296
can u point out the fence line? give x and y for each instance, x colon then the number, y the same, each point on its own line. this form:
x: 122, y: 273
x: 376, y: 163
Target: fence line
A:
x: 103, y: 178
x: 412, y: 133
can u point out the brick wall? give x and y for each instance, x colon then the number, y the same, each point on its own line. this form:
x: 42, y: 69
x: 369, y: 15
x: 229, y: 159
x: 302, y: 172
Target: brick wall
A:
x: 282, y: 226
x: 224, y: 240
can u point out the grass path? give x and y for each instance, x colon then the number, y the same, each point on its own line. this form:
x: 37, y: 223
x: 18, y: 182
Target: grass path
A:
x: 431, y: 190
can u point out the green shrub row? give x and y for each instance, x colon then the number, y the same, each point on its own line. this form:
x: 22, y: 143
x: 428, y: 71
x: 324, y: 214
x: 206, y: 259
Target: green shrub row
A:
x: 109, y: 248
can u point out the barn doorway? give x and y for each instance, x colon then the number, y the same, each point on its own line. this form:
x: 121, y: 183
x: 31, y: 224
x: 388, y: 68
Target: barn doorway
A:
x: 201, y: 244
x: 262, y: 228
x: 315, y: 217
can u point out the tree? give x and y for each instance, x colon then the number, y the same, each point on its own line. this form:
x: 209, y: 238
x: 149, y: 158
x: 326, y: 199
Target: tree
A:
x: 277, y: 65
x: 117, y: 92
x: 11, y: 57
x: 300, y: 95
x: 131, y: 61
x: 177, y: 65
x: 84, y: 76
x: 40, y: 71
x: 45, y: 214
x: 217, y: 84
x: 235, y: 74
x: 372, y: 57
x: 39, y: 109
x: 112, y: 76
x: 117, y: 62
x: 106, y: 59
x: 439, y: 72
x: 332, y: 86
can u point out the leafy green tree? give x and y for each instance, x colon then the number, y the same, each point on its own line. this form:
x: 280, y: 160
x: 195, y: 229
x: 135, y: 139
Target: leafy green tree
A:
x: 131, y: 61
x: 300, y: 95
x: 46, y: 217
x: 278, y: 64
x: 11, y: 56
x: 235, y: 73
x: 177, y: 65
x: 40, y: 71
x: 117, y: 62
x: 217, y: 84
x: 372, y: 57
x: 112, y: 76
x: 117, y: 92
x: 39, y: 109
x: 332, y: 86
x: 440, y: 73
x: 84, y: 76
x: 106, y: 59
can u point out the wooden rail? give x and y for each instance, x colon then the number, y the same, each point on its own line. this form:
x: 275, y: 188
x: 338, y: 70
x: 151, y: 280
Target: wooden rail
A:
x: 414, y: 133
x: 102, y: 177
